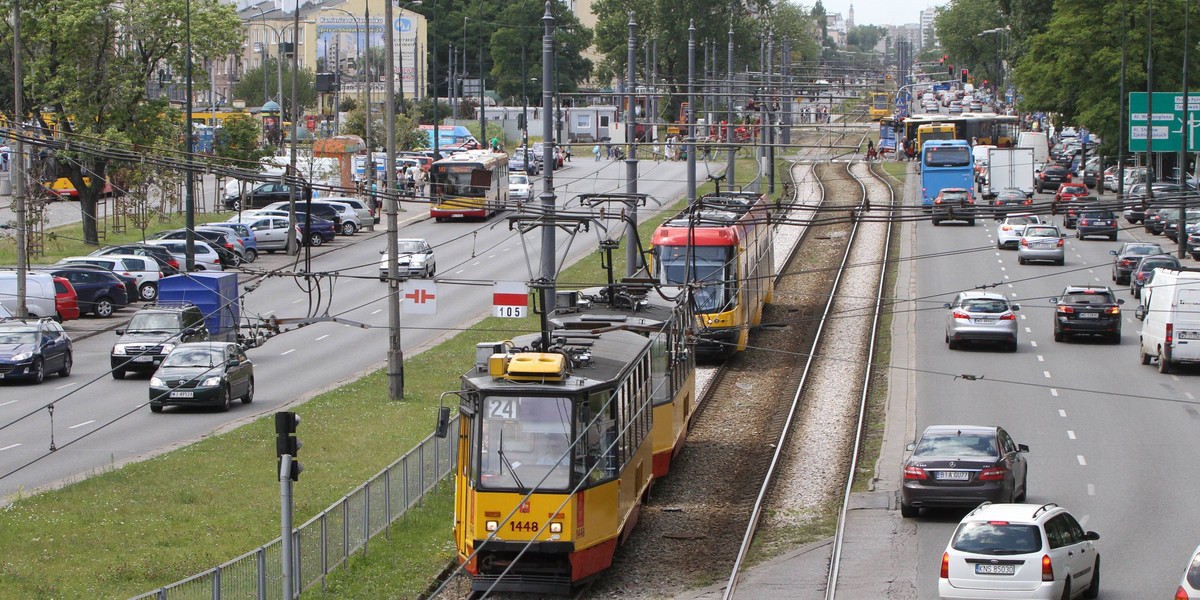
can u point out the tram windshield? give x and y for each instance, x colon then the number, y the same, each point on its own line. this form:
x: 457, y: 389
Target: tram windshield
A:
x: 523, y: 440
x: 708, y: 268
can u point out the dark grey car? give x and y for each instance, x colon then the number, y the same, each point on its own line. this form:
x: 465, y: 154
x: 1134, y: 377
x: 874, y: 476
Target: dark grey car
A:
x: 963, y: 465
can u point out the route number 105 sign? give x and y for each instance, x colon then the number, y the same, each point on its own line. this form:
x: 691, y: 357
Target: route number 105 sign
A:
x: 510, y: 299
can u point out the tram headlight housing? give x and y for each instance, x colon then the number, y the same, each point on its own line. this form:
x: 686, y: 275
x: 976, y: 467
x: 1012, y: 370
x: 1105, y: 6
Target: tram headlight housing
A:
x: 491, y: 525
x: 556, y: 528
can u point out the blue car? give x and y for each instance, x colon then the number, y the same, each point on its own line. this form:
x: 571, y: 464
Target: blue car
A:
x: 31, y: 347
x: 243, y: 233
x: 100, y: 292
x: 322, y: 230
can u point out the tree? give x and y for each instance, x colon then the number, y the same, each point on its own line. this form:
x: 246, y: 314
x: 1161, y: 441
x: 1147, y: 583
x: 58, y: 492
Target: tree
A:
x: 958, y: 25
x: 237, y: 142
x: 90, y: 61
x: 570, y: 40
x: 250, y: 88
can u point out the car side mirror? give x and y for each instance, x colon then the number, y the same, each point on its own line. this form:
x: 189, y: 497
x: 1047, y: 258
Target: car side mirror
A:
x: 120, y: 332
x: 1120, y: 301
x: 1015, y: 307
x: 1054, y: 301
x: 910, y: 447
x: 443, y: 422
x: 1112, y: 252
x: 946, y: 305
x: 1091, y: 535
x: 233, y: 362
x: 384, y: 251
x: 1140, y: 313
x: 1023, y: 447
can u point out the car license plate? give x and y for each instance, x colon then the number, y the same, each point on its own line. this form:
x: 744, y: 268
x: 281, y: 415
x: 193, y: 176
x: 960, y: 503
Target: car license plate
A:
x: 985, y: 321
x: 1089, y: 315
x: 983, y: 569
x: 182, y: 394
x: 954, y: 475
x: 143, y: 358
x: 1189, y: 335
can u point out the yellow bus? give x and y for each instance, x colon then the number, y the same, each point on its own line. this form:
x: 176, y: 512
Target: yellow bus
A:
x: 881, y: 105
x: 468, y: 184
x: 934, y: 131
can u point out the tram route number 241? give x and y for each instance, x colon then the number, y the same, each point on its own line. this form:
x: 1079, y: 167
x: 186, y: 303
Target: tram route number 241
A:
x: 509, y: 312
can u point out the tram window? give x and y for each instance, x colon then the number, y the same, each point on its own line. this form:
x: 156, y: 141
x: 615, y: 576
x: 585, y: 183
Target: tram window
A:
x: 598, y: 440
x: 661, y: 368
x: 708, y: 267
x: 524, y: 441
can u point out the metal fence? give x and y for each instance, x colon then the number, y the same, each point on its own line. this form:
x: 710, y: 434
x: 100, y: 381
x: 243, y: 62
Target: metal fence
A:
x: 327, y: 540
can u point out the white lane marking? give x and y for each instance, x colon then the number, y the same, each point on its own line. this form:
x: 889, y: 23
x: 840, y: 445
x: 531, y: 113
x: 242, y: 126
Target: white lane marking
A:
x: 1028, y: 330
x: 1043, y: 358
x: 1071, y: 434
x: 1188, y: 394
x: 1002, y: 260
x: 1082, y: 462
x: 1175, y: 377
x: 1046, y: 373
x: 9, y: 447
x: 1003, y: 269
x: 1033, y: 343
x: 7, y: 403
x: 998, y: 254
x: 327, y: 335
x: 375, y: 312
x: 494, y: 256
x: 298, y: 301
x: 1093, y: 270
x: 479, y: 262
x: 460, y: 271
x: 63, y: 387
x: 1092, y: 486
x: 287, y: 352
x: 1054, y: 392
x: 1014, y: 294
x: 510, y: 248
x: 1083, y: 521
x: 1010, y: 285
x: 1022, y: 317
x: 1097, y: 278
x: 82, y: 424
x: 1061, y: 412
x: 1006, y: 276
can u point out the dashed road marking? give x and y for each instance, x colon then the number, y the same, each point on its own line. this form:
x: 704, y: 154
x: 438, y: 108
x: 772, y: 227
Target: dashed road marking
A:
x: 298, y: 300
x: 1006, y: 276
x: 1092, y: 486
x: 287, y: 352
x: 82, y: 424
x: 1041, y: 358
x: 460, y: 271
x: 1082, y: 462
x: 1033, y: 343
x: 63, y: 387
x: 1022, y: 317
x: 322, y: 337
x: 1054, y: 392
x: 7, y: 403
x: 1014, y: 294
x: 1046, y: 373
x: 1003, y: 269
x: 9, y: 447
x: 1189, y: 394
x: 1061, y: 412
x: 1070, y: 434
x: 377, y: 311
x: 1028, y: 330
x: 1175, y: 377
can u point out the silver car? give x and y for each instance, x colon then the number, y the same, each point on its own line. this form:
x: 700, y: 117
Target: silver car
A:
x: 414, y: 259
x: 1010, y: 230
x: 1041, y: 242
x: 981, y: 317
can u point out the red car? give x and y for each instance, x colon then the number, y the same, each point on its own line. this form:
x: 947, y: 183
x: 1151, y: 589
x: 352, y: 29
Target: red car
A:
x: 1066, y: 201
x: 66, y: 301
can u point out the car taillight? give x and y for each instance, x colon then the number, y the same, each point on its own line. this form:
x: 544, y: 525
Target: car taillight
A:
x: 1047, y: 568
x: 1008, y: 317
x: 1127, y: 263
x: 1028, y: 201
x: 1060, y: 242
x: 914, y: 472
x: 938, y: 201
x: 1170, y: 333
x: 993, y: 473
x: 174, y: 263
x: 1141, y: 276
x: 1112, y: 310
x: 945, y: 565
x: 1025, y: 242
x: 958, y: 314
x: 1066, y: 309
x: 1181, y: 594
x: 1005, y: 228
x: 1083, y: 222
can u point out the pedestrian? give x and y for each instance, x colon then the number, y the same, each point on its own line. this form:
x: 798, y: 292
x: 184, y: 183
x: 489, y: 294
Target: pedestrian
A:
x: 900, y: 153
x: 870, y: 147
x: 596, y: 151
x: 495, y: 144
x: 608, y: 148
x: 657, y: 156
x: 670, y: 149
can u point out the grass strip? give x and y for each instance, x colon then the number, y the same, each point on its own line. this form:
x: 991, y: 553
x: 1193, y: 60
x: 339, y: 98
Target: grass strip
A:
x: 128, y: 530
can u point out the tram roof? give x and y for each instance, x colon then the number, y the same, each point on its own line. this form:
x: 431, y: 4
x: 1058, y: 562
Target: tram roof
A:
x: 613, y: 354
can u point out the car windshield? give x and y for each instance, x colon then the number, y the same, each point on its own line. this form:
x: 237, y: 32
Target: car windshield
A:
x: 1012, y: 196
x: 1102, y: 214
x: 409, y: 247
x: 1087, y: 298
x: 1022, y: 220
x: 985, y: 305
x: 1148, y: 264
x: 18, y: 337
x: 150, y: 322
x: 708, y: 267
x: 947, y: 157
x: 518, y: 179
x: 996, y: 538
x: 954, y: 195
x: 1041, y: 232
x: 1155, y: 249
x: 194, y: 357
x: 956, y: 445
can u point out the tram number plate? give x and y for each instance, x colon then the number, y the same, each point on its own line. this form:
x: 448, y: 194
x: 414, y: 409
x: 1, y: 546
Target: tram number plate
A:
x: 530, y: 526
x: 983, y: 569
x: 509, y: 312
x: 502, y: 408
x: 954, y: 475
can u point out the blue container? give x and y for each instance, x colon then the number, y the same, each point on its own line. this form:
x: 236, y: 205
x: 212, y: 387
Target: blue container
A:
x: 216, y: 294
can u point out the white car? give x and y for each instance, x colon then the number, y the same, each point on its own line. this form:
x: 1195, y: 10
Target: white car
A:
x: 1010, y: 230
x: 519, y: 186
x: 1189, y: 588
x: 142, y: 268
x: 206, y: 258
x: 1036, y: 551
x: 414, y: 258
x: 360, y: 207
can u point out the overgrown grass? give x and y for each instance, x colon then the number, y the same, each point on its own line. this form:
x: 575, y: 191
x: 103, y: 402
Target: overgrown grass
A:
x: 150, y: 523
x: 67, y: 240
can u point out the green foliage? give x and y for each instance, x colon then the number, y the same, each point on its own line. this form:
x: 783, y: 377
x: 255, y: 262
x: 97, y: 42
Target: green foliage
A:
x: 864, y: 37
x: 237, y: 142
x: 570, y: 40
x: 958, y: 25
x: 250, y: 88
x: 425, y: 110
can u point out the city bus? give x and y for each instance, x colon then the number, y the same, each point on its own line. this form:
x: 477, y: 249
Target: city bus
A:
x: 946, y: 164
x: 881, y: 105
x: 468, y: 184
x: 979, y: 128
x: 934, y: 131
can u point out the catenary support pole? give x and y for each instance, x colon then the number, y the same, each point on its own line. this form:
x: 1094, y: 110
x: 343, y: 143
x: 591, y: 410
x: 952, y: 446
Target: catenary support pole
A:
x: 395, y: 354
x: 548, y: 198
x: 632, y: 256
x: 691, y: 115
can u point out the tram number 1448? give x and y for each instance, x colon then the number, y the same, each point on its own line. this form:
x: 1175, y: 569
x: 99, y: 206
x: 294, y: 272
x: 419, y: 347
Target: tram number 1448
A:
x: 530, y: 526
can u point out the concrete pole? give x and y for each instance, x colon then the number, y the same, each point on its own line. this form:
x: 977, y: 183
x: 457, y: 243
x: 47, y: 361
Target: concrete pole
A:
x: 632, y: 256
x: 786, y: 104
x: 395, y: 355
x: 17, y: 164
x: 189, y: 198
x: 295, y: 106
x: 548, y: 198
x: 729, y: 169
x: 285, y: 526
x: 483, y: 138
x: 1181, y: 230
x: 369, y: 163
x: 691, y: 115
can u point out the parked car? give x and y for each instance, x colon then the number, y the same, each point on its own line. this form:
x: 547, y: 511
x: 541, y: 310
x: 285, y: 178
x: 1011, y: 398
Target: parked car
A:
x: 1087, y: 310
x: 66, y: 300
x: 29, y: 348
x: 271, y: 232
x: 152, y: 333
x: 204, y: 256
x: 203, y: 374
x: 98, y: 291
x: 1170, y: 229
x: 1041, y: 243
x: 345, y: 219
x: 1144, y: 268
x: 1020, y: 551
x: 315, y: 231
x: 264, y: 194
x: 364, y: 212
x: 981, y: 317
x: 222, y: 241
x: 1095, y: 222
x: 167, y: 263
x: 142, y: 268
x: 39, y: 293
x: 244, y: 234
x: 414, y: 258
x: 963, y: 465
x: 1127, y: 256
x: 953, y: 204
x: 1008, y: 233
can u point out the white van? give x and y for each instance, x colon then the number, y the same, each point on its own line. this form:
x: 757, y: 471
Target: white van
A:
x: 39, y: 293
x: 1039, y: 142
x: 1170, y: 317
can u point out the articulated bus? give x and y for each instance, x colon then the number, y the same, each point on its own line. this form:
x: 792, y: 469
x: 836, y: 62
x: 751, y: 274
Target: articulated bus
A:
x: 468, y: 184
x: 881, y: 105
x: 945, y: 164
x: 979, y: 128
x: 934, y: 131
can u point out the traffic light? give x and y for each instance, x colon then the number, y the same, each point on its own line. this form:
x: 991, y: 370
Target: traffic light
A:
x: 950, y: 70
x: 521, y: 121
x: 286, y: 441
x: 964, y: 75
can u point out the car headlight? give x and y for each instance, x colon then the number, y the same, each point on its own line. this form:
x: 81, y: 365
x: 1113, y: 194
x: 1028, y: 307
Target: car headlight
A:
x: 22, y: 356
x: 211, y: 381
x: 167, y: 348
x: 156, y: 382
x: 418, y: 260
x: 119, y: 349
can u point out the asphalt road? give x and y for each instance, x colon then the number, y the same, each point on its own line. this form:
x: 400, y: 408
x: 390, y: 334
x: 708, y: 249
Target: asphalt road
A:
x: 98, y: 422
x: 1112, y: 440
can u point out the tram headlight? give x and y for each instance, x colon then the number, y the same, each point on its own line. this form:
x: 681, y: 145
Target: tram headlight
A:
x: 556, y: 528
x: 491, y: 525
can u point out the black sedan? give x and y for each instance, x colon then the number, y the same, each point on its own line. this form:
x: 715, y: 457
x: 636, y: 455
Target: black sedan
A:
x: 1087, y: 310
x: 1141, y: 273
x: 1126, y: 258
x: 1099, y: 222
x: 31, y: 347
x: 1008, y: 200
x: 1051, y: 176
x: 100, y: 292
x: 963, y: 465
x: 203, y: 374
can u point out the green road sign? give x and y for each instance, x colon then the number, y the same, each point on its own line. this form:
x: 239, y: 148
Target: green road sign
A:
x: 1168, y: 121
